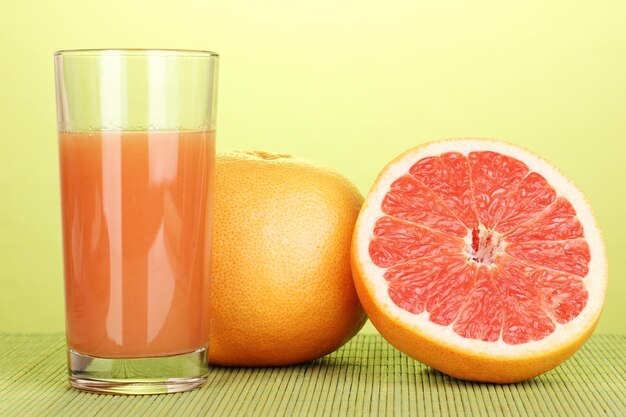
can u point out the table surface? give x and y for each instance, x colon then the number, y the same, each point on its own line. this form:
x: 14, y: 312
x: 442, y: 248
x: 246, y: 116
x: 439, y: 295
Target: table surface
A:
x: 367, y: 377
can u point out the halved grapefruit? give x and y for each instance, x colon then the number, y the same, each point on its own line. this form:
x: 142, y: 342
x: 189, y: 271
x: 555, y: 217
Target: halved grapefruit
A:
x: 479, y: 259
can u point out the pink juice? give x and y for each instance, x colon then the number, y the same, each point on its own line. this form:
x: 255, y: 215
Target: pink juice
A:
x: 136, y: 227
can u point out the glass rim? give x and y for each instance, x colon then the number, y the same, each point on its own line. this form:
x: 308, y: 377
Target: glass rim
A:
x: 197, y: 53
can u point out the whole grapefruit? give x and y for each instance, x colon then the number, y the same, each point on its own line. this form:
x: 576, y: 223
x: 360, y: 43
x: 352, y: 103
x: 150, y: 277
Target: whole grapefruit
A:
x: 281, y: 285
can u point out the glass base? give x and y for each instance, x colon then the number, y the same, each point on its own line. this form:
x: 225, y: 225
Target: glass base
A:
x: 138, y: 376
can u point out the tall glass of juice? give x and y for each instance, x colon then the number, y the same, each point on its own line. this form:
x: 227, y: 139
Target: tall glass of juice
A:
x: 137, y: 149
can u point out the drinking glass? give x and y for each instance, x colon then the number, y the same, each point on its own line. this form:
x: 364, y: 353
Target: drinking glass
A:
x: 136, y: 146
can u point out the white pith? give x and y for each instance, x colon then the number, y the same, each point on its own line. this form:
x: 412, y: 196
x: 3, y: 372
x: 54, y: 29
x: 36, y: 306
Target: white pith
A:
x: 595, y: 281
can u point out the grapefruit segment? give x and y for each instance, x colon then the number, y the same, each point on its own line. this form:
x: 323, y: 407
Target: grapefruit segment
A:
x: 571, y: 256
x: 396, y: 241
x: 413, y: 201
x: 411, y: 284
x: 532, y: 196
x: 494, y: 177
x: 564, y: 296
x: 449, y: 294
x: 557, y: 222
x: 480, y: 259
x: 525, y: 317
x: 481, y: 318
x: 448, y: 176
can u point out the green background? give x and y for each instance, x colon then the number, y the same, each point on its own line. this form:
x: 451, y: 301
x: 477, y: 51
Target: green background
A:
x: 349, y: 83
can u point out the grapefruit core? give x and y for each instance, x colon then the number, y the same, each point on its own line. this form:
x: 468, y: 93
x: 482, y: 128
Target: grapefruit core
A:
x: 480, y: 259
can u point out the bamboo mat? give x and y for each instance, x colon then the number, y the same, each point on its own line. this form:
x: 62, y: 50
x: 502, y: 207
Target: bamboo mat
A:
x: 367, y: 377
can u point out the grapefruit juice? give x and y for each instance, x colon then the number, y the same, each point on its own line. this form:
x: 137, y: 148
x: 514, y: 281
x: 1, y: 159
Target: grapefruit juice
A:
x: 136, y: 229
